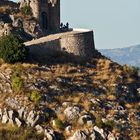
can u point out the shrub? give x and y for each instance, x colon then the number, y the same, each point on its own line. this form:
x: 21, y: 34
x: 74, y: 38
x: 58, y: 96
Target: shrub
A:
x: 26, y: 10
x: 99, y: 122
x: 17, y: 84
x: 17, y: 70
x: 47, y: 115
x: 35, y: 96
x: 17, y: 81
x: 130, y: 69
x: 59, y: 124
x: 12, y: 49
x: 108, y: 125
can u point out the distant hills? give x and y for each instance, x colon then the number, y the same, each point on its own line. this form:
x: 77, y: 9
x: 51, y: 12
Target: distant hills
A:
x: 129, y: 55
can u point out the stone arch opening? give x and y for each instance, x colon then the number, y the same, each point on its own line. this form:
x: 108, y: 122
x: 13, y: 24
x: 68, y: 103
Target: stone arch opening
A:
x: 44, y: 20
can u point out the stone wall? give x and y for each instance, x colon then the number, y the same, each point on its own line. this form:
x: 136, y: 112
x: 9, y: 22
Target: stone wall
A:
x: 78, y: 42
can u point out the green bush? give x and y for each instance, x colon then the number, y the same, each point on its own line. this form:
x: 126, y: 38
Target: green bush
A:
x: 47, y: 115
x: 17, y: 81
x: 17, y: 84
x: 12, y: 49
x: 35, y: 96
x: 108, y: 125
x: 26, y: 10
x: 59, y: 124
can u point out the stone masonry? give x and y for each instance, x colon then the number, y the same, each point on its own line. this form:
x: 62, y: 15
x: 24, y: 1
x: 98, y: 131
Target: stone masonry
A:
x: 78, y: 42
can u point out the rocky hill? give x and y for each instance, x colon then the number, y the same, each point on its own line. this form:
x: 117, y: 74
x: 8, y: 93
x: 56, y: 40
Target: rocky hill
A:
x: 17, y: 20
x: 129, y: 55
x: 93, y: 100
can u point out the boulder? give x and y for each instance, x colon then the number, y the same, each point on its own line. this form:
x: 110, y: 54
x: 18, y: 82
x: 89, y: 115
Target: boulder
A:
x: 72, y: 113
x: 39, y: 129
x: 18, y: 23
x: 68, y: 129
x: 32, y: 118
x: 13, y: 103
x: 100, y: 131
x: 21, y: 112
x: 18, y: 122
x: 86, y: 119
x: 11, y: 114
x: 49, y: 133
x: 93, y: 136
x: 78, y: 135
x: 5, y: 118
x: 111, y: 136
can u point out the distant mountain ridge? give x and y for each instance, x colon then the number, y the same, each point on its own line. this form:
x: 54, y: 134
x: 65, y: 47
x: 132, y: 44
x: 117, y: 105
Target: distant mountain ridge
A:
x: 129, y: 55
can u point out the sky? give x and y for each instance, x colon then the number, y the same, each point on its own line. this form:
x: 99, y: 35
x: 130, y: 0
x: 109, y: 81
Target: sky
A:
x: 116, y: 23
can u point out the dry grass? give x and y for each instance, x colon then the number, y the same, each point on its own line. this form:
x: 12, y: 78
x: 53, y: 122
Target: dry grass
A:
x: 105, y: 74
x: 4, y: 9
x: 8, y: 132
x: 111, y: 97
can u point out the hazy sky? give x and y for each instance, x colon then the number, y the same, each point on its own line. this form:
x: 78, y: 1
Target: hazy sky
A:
x: 116, y: 23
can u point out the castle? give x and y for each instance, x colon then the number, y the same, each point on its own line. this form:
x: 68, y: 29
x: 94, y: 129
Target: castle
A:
x: 47, y: 13
x: 44, y: 26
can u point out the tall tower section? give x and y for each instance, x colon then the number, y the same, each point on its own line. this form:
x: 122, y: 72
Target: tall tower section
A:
x: 47, y: 13
x: 35, y: 6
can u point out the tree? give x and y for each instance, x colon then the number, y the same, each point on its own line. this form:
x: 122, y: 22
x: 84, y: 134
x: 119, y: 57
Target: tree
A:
x: 12, y: 49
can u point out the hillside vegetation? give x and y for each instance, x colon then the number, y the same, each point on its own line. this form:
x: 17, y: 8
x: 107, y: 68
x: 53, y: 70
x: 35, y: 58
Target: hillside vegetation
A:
x: 97, y: 99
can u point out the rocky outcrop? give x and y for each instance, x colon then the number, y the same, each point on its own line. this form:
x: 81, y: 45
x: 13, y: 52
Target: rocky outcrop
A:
x: 72, y: 113
x: 26, y: 28
x: 78, y: 135
x: 70, y: 102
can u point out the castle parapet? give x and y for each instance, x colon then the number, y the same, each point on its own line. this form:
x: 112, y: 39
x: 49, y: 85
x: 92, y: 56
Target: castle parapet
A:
x: 79, y: 42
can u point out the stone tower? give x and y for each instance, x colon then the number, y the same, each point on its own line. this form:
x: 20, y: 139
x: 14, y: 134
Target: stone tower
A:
x: 47, y: 13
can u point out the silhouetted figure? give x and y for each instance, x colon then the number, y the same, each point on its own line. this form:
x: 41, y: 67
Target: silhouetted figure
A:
x: 67, y: 25
x: 63, y: 27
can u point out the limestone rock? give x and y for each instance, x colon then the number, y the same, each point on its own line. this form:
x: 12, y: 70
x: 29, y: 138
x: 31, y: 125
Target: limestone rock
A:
x: 111, y: 137
x: 21, y: 112
x: 93, y: 136
x: 72, y: 113
x: 18, y: 23
x: 68, y: 129
x: 78, y: 135
x: 11, y: 114
x: 32, y: 118
x: 39, y: 129
x: 49, y: 133
x: 5, y: 117
x: 13, y: 103
x: 86, y: 119
x: 100, y: 131
x: 18, y: 122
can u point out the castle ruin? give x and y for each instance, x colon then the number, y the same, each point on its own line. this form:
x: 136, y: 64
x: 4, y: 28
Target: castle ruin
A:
x: 46, y: 12
x: 44, y: 27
